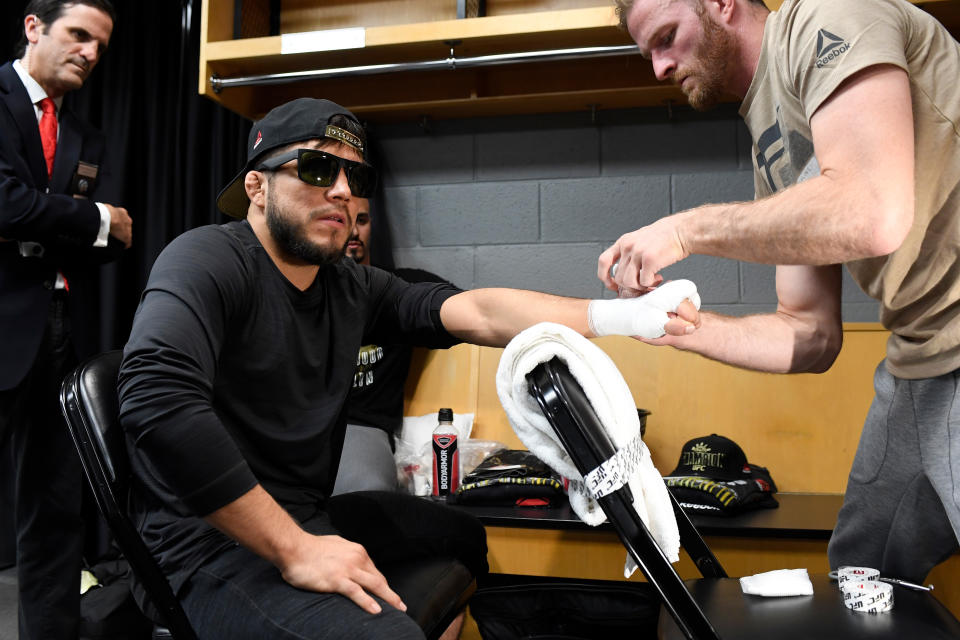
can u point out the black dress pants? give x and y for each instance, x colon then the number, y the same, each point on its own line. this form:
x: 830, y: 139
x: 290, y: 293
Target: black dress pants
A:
x: 48, y: 488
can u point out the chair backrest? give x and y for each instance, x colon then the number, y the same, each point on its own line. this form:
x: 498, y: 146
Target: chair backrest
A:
x: 88, y: 398
x: 585, y: 439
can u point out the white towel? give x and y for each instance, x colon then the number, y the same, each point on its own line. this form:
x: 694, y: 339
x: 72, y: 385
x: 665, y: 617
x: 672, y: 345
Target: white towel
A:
x: 611, y: 399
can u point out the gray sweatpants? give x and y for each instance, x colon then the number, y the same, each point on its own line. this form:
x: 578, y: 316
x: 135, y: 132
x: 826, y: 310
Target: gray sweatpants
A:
x: 901, y: 511
x: 366, y: 462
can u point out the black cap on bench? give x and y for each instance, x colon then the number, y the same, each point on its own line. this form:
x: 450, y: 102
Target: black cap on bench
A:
x: 714, y: 457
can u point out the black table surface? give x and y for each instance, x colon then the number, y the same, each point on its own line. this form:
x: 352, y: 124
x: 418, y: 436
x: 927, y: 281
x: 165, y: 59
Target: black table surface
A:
x: 800, y: 515
x: 821, y: 616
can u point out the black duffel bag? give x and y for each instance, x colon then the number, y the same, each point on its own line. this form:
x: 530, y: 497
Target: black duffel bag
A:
x: 510, y: 607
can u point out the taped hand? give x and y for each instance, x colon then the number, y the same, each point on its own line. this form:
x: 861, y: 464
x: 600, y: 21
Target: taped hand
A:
x: 645, y: 316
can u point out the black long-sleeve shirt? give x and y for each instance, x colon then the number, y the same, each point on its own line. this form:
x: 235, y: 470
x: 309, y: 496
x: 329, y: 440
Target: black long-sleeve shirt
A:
x: 232, y: 377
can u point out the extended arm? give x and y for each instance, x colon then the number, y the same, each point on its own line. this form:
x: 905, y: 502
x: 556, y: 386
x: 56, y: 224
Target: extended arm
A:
x: 803, y: 335
x: 861, y: 204
x: 492, y: 317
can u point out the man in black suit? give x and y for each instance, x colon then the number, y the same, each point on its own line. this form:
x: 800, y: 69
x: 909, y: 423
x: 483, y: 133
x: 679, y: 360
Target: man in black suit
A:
x: 54, y: 234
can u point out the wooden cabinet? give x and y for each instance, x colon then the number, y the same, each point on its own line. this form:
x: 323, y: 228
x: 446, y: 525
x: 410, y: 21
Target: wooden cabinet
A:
x: 337, y: 34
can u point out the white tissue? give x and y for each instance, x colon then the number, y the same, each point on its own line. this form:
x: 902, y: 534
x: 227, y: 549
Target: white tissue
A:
x: 782, y: 582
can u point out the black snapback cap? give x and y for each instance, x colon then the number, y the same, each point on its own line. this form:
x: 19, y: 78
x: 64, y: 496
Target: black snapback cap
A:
x: 300, y: 119
x: 714, y: 457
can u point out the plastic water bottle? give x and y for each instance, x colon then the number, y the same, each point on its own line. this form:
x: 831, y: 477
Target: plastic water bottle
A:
x: 446, y: 458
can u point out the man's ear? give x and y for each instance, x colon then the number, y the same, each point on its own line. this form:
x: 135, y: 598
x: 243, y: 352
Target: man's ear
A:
x: 722, y: 10
x: 32, y: 28
x: 255, y: 184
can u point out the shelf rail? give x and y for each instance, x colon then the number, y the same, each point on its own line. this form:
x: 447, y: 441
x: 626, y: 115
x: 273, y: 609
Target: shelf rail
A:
x: 452, y: 62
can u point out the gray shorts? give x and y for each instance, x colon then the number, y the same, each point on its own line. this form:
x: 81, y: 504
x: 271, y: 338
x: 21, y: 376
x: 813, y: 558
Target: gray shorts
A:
x: 901, y: 511
x: 366, y: 463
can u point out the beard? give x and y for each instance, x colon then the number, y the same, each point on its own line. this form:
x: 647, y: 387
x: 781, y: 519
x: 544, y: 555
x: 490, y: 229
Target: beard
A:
x: 710, y: 68
x: 292, y: 239
x: 358, y: 253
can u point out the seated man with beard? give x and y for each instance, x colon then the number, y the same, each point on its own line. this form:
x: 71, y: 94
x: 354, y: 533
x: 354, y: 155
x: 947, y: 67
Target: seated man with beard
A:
x: 234, y: 383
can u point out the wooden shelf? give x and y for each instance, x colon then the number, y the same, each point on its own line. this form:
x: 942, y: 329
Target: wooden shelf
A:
x: 534, y: 87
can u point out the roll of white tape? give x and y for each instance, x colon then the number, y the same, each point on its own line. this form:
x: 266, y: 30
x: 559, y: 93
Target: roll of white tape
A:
x: 856, y: 574
x: 870, y: 596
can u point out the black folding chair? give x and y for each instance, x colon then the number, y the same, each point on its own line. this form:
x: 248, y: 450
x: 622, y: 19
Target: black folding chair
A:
x: 435, y: 590
x: 90, y: 405
x: 714, y: 606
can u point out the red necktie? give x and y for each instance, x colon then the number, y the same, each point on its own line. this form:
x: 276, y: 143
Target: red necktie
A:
x: 48, y: 138
x: 48, y: 132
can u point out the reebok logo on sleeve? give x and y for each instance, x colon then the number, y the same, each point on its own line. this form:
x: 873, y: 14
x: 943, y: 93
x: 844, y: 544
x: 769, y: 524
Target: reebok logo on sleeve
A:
x: 829, y: 48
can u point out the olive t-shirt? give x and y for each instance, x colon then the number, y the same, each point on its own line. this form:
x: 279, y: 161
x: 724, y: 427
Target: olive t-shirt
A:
x: 809, y: 48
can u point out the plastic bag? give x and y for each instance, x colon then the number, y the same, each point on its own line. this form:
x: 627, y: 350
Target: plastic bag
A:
x: 473, y: 452
x: 413, y: 468
x: 415, y: 462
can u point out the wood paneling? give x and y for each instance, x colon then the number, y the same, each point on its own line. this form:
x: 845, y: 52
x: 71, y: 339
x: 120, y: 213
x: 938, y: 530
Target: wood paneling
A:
x: 310, y: 15
x: 599, y: 555
x: 804, y: 428
x: 419, y: 30
x: 451, y: 376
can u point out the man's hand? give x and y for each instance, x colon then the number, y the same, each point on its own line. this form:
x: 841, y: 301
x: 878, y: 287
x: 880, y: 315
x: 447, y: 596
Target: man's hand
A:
x: 641, y: 255
x: 121, y: 226
x: 670, y: 308
x: 326, y: 564
x: 685, y: 321
x: 331, y: 564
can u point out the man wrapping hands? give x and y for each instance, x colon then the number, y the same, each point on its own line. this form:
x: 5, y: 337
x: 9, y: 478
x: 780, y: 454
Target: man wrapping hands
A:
x: 856, y: 157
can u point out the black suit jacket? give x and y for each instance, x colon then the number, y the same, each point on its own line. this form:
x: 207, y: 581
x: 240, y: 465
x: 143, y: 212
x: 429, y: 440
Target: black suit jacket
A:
x: 35, y: 209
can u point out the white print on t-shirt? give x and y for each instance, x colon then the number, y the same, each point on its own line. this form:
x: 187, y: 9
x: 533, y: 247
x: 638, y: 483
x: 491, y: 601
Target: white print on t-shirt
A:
x: 785, y: 157
x: 368, y: 356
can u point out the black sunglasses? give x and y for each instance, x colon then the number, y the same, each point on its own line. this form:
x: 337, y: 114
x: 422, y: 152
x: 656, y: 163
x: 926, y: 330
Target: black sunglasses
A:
x: 321, y: 169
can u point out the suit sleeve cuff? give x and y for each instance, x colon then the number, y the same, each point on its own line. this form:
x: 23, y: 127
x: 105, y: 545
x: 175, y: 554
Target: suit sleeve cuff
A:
x: 104, y: 233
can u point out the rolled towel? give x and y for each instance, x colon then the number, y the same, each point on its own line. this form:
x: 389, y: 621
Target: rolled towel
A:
x: 613, y: 402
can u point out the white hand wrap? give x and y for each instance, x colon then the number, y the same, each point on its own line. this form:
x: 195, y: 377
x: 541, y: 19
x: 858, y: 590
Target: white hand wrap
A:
x: 645, y: 316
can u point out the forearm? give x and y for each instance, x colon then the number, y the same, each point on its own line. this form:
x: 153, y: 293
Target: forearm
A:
x: 492, y: 317
x: 31, y: 215
x: 774, y: 343
x: 825, y: 220
x: 257, y: 522
x: 326, y: 564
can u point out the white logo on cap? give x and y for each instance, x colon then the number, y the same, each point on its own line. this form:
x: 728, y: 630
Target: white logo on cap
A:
x: 344, y: 136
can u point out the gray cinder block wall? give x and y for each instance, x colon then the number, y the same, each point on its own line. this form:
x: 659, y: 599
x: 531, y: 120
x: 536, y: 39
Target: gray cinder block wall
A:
x: 532, y: 201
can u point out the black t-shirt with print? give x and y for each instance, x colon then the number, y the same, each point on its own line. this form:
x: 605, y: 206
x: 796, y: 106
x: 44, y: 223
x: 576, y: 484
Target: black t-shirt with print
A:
x: 376, y: 399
